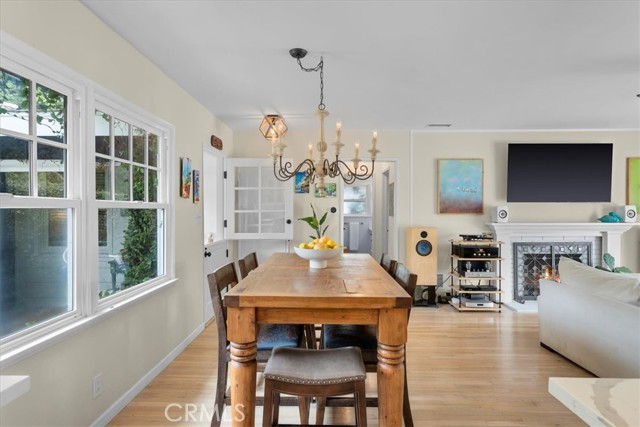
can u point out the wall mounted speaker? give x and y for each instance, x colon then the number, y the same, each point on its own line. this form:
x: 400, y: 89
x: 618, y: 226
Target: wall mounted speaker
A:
x: 422, y: 254
x: 628, y: 212
x: 500, y: 214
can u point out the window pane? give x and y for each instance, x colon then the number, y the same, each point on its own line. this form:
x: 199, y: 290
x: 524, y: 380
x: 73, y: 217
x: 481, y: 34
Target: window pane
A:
x: 102, y: 132
x: 355, y: 208
x: 51, y: 117
x: 247, y: 200
x: 121, y: 138
x: 355, y: 193
x: 273, y: 200
x: 14, y: 102
x: 138, y: 183
x: 103, y: 179
x: 247, y: 222
x: 51, y: 171
x: 153, y: 185
x: 35, y: 267
x: 102, y: 227
x: 122, y: 181
x: 246, y: 176
x: 153, y: 150
x: 269, y: 179
x: 131, y: 255
x: 138, y: 144
x: 14, y: 166
x: 273, y: 222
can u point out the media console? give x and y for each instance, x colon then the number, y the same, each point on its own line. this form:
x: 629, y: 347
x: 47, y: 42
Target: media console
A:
x: 476, y: 275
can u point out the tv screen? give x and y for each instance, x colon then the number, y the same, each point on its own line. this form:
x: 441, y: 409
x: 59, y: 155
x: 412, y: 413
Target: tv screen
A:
x: 559, y: 172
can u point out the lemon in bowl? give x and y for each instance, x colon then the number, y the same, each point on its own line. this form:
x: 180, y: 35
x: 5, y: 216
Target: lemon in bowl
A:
x: 318, y: 254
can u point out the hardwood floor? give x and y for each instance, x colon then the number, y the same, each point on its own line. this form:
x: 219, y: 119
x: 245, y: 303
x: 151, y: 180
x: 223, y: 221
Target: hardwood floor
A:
x: 465, y: 369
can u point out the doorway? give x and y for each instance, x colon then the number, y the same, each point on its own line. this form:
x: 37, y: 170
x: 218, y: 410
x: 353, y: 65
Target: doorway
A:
x: 216, y: 249
x: 369, y: 224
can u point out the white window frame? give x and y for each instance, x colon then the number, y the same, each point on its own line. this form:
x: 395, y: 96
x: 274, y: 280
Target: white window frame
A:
x: 84, y: 97
x: 368, y: 198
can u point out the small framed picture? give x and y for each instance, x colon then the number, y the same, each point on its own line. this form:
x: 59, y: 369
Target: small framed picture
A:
x: 196, y: 186
x: 330, y: 190
x: 301, y: 183
x: 185, y: 177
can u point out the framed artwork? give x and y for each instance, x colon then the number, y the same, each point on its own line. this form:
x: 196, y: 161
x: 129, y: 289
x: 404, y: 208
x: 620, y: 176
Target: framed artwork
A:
x: 216, y: 142
x: 185, y: 177
x: 330, y: 190
x: 301, y: 183
x: 196, y: 186
x: 460, y: 184
x: 633, y: 182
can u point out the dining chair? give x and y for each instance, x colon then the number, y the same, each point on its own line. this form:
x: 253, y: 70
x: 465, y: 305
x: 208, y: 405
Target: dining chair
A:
x: 364, y: 337
x: 270, y: 336
x: 307, y: 373
x: 388, y: 264
x: 247, y: 264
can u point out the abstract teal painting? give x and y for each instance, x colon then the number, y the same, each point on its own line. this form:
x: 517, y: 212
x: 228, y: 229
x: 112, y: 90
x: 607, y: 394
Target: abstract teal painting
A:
x: 460, y: 183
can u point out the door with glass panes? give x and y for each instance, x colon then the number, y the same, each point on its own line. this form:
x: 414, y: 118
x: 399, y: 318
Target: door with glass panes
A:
x: 258, y: 206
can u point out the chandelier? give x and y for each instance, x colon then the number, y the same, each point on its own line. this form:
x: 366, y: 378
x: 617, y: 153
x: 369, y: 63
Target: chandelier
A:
x: 273, y: 128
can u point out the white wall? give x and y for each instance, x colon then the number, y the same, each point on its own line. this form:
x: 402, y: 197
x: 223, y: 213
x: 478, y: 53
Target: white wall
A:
x: 492, y: 147
x: 125, y: 346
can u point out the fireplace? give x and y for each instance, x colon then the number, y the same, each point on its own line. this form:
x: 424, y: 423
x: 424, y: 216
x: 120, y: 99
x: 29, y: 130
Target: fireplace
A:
x: 533, y: 261
x: 603, y: 237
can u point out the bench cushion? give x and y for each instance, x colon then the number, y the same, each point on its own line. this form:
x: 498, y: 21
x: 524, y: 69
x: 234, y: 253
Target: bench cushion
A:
x: 315, y: 367
x: 271, y: 336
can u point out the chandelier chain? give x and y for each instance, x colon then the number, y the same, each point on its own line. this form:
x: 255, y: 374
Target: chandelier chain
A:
x: 319, y: 67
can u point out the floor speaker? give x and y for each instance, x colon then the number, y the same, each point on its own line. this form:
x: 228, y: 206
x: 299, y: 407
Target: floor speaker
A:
x: 422, y: 254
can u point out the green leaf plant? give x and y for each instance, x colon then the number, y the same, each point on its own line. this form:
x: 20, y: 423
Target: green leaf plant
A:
x: 315, y: 223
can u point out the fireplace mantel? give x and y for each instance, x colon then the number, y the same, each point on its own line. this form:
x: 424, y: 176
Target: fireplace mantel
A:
x: 609, y: 231
x: 608, y: 234
x: 560, y: 228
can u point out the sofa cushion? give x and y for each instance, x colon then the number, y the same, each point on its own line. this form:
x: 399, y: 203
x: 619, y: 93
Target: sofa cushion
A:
x: 622, y: 287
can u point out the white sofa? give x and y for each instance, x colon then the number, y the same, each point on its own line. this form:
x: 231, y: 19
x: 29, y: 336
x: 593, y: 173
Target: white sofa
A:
x: 592, y: 317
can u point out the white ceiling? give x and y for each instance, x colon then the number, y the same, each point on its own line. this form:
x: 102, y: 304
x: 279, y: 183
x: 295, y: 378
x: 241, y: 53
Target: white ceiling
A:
x: 398, y: 65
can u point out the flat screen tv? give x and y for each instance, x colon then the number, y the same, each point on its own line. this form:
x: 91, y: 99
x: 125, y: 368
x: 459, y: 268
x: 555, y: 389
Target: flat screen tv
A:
x: 559, y: 172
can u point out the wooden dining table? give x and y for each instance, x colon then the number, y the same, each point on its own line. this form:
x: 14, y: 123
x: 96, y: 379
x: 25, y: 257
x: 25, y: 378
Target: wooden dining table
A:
x: 352, y: 289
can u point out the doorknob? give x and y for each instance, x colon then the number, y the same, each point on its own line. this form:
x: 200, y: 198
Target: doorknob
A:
x: 207, y: 253
x: 288, y: 221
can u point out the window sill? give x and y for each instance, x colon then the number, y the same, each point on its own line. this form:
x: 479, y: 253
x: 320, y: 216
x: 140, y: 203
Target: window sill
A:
x: 12, y: 387
x: 18, y: 354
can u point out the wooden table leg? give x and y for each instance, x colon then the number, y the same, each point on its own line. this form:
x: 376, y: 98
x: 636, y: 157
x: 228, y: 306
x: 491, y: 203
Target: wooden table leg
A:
x: 241, y: 330
x: 392, y: 335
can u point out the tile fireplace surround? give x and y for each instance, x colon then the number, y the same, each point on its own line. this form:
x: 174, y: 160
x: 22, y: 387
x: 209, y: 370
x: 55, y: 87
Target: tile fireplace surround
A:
x: 605, y: 238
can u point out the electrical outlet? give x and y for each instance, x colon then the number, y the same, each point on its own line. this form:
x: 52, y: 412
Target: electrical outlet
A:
x: 97, y: 385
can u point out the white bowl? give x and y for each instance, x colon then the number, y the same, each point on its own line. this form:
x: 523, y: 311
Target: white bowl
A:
x: 317, y: 258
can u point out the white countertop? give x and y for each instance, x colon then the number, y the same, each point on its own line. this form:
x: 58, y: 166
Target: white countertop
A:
x: 12, y: 387
x: 602, y: 402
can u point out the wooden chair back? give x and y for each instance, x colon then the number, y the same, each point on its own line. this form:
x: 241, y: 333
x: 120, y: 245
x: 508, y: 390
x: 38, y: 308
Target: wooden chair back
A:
x: 247, y: 264
x: 407, y: 280
x: 388, y: 264
x: 221, y: 281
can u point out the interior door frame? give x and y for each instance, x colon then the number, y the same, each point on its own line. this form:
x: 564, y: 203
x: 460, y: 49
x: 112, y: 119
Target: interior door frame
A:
x: 392, y: 244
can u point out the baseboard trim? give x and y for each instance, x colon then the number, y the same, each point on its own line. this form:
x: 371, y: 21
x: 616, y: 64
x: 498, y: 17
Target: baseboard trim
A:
x: 127, y: 397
